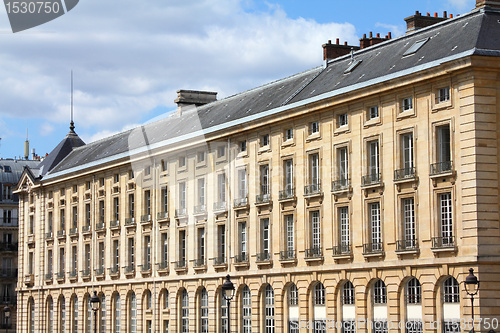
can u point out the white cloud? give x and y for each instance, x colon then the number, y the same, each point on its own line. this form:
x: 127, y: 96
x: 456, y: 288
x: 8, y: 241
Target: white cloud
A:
x: 129, y: 59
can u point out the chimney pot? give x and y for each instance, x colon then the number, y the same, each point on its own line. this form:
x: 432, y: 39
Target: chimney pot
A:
x: 345, y: 43
x: 451, y: 15
x: 371, y: 34
x: 445, y: 14
x: 390, y: 35
x: 378, y: 35
x: 338, y: 41
x: 435, y: 14
x: 364, y: 36
x: 428, y: 14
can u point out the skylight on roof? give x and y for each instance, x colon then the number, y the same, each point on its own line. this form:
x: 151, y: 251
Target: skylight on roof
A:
x: 352, y: 65
x: 415, y: 47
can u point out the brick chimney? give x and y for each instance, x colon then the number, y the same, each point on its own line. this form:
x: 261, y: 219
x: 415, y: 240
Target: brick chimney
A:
x: 418, y: 21
x: 332, y: 51
x: 189, y: 99
x: 366, y: 42
x: 491, y: 3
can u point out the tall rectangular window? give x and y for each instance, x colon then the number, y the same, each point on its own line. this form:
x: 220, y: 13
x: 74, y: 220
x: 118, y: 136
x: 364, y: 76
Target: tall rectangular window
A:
x: 221, y: 181
x: 116, y: 255
x: 87, y: 214
x: 373, y: 159
x: 265, y: 237
x: 131, y: 206
x: 407, y: 152
x: 131, y: 253
x: 343, y: 164
x: 50, y: 222
x: 201, y: 246
x: 101, y: 211
x: 344, y: 230
x: 101, y: 257
x: 314, y: 169
x: 409, y: 227
x: 164, y: 250
x: 164, y: 200
x: 446, y: 218
x: 375, y: 227
x: 221, y: 235
x: 288, y: 176
x: 182, y: 247
x: 242, y: 226
x: 87, y: 259
x: 147, y: 253
x: 242, y: 183
x: 290, y: 235
x: 443, y: 144
x: 147, y: 202
x: 201, y: 192
x: 74, y: 261
x: 62, y: 219
x: 264, y: 179
x: 116, y: 208
x: 315, y: 230
x: 75, y: 217
x: 61, y: 260
x: 182, y: 196
x: 49, y: 262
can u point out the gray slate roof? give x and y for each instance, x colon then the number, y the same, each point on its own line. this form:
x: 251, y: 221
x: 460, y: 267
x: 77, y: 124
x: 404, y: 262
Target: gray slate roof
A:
x: 477, y: 32
x: 11, y: 170
x: 71, y: 141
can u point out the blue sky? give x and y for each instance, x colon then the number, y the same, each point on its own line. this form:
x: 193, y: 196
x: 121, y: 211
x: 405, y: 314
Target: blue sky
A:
x: 129, y: 60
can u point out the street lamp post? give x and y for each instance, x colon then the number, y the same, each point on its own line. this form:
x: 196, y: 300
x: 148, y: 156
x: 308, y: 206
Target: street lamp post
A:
x: 228, y: 293
x: 471, y: 284
x: 6, y: 312
x: 96, y: 303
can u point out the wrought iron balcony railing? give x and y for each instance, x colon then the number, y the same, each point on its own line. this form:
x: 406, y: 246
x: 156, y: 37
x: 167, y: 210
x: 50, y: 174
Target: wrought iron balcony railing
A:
x: 200, y: 209
x: 220, y: 206
x: 287, y: 255
x: 407, y: 244
x: 342, y: 249
x: 441, y: 167
x: 180, y: 212
x: 200, y: 262
x: 443, y: 242
x: 312, y: 189
x: 314, y: 252
x: 263, y: 198
x: 241, y: 258
x: 371, y: 179
x: 406, y: 173
x: 162, y: 215
x: 340, y: 185
x: 240, y: 202
x: 129, y: 221
x: 371, y: 248
x: 263, y: 256
x: 219, y: 261
x: 288, y: 193
x: 181, y: 264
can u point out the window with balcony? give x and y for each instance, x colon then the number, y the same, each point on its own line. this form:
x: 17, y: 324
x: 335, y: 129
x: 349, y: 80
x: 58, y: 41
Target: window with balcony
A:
x: 243, y: 243
x: 289, y: 233
x: 87, y: 217
x: 146, y: 216
x: 265, y: 243
x: 264, y: 195
x: 443, y: 151
x: 31, y: 226
x: 74, y: 262
x: 164, y: 251
x: 116, y: 209
x: 407, y: 163
x: 50, y: 224
x: 220, y: 204
x: 201, y: 206
x: 163, y: 203
x: 181, y: 263
x: 314, y: 186
x: 131, y: 208
x: 62, y: 220
x: 146, y: 261
x: 181, y: 211
x: 131, y: 255
x: 314, y: 250
x: 445, y: 238
x: 200, y: 260
x: 373, y: 175
x: 221, y: 241
x: 288, y: 189
x: 61, y: 263
x: 49, y: 264
x: 408, y: 239
x: 375, y: 230
x: 100, y: 260
x: 342, y: 181
x: 102, y: 212
x: 344, y: 239
x: 86, y: 264
x: 241, y: 200
x: 115, y: 255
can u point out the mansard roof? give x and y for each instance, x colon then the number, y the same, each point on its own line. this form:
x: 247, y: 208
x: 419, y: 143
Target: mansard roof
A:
x: 475, y: 33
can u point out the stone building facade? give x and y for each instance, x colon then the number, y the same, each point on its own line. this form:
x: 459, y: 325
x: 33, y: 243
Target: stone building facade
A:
x: 351, y: 197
